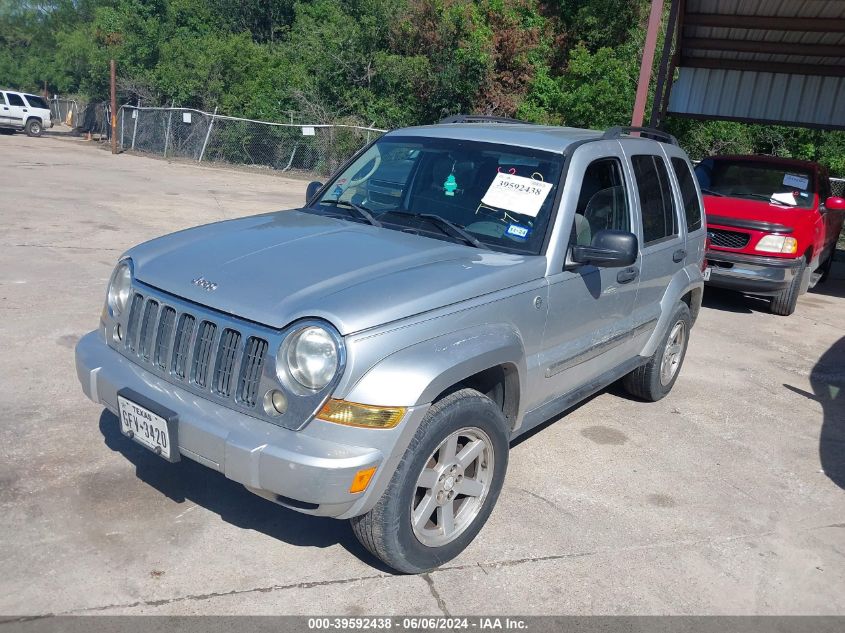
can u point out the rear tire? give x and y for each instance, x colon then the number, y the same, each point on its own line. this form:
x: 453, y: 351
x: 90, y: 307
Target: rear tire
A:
x: 656, y: 378
x: 785, y: 301
x: 6, y: 131
x: 437, y: 501
x: 34, y: 127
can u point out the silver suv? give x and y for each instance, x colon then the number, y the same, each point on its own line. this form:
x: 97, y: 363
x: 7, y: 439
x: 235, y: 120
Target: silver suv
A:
x: 23, y: 111
x: 371, y: 355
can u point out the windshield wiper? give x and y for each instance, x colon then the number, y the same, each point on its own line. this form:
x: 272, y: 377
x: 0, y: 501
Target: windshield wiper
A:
x: 447, y: 226
x: 458, y: 230
x: 357, y: 208
x: 764, y: 197
x: 710, y: 192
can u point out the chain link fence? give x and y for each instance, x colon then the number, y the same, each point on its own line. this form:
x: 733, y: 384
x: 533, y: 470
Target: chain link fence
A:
x: 64, y: 111
x: 837, y: 187
x: 202, y: 136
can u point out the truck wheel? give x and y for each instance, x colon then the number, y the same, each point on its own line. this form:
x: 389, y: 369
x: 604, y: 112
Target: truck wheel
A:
x: 785, y: 301
x: 6, y: 131
x: 33, y: 127
x: 443, y: 489
x: 656, y: 378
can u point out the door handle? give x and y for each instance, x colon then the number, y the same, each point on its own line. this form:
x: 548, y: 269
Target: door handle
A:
x: 627, y: 275
x: 25, y: 110
x: 678, y: 255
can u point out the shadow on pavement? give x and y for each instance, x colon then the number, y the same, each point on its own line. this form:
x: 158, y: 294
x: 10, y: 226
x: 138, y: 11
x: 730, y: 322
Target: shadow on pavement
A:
x: 190, y: 481
x: 834, y: 286
x: 828, y: 382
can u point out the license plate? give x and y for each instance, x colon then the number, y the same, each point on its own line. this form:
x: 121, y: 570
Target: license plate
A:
x: 147, y: 428
x: 706, y: 273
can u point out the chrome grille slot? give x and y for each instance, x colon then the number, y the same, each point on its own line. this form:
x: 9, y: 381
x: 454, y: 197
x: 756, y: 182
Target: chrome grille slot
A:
x: 224, y: 366
x: 163, y: 336
x: 132, y: 324
x: 181, y: 346
x: 145, y: 338
x: 251, y: 367
x: 728, y: 239
x: 202, y: 353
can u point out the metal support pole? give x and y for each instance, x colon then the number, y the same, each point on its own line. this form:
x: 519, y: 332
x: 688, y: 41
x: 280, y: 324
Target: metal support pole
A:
x: 662, y: 73
x: 647, y: 62
x: 167, y: 131
x: 207, y: 135
x: 135, y: 126
x: 122, y: 127
x: 113, y: 103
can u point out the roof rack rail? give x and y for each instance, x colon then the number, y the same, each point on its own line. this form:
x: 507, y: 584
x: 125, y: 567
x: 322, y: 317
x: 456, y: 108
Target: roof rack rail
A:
x: 649, y: 132
x: 480, y: 118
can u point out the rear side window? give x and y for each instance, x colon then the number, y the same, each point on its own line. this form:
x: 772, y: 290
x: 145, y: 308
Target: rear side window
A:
x: 656, y: 201
x: 37, y: 102
x: 15, y: 100
x: 692, y: 205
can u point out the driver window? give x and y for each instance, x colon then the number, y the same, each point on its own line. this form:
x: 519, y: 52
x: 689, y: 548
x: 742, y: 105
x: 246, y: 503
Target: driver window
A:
x: 602, y: 203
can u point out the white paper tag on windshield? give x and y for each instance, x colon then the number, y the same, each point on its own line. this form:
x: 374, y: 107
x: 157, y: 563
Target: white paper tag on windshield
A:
x: 796, y: 180
x: 515, y: 193
x: 784, y: 198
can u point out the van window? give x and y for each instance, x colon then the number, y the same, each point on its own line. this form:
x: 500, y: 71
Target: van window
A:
x: 656, y: 202
x: 692, y: 205
x: 15, y: 100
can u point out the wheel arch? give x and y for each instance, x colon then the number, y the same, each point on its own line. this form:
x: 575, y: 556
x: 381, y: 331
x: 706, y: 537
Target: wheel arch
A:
x: 490, y: 359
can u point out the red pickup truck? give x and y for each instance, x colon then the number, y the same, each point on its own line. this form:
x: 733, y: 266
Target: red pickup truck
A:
x: 772, y: 223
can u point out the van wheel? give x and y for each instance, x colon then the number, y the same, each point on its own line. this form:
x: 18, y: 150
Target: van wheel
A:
x: 443, y: 489
x: 33, y: 127
x: 656, y: 378
x: 785, y: 301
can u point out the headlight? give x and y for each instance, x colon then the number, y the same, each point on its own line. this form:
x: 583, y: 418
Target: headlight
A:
x: 311, y: 355
x: 777, y: 244
x: 119, y: 288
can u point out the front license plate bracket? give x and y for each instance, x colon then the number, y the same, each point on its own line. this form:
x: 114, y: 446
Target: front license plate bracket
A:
x: 170, y: 418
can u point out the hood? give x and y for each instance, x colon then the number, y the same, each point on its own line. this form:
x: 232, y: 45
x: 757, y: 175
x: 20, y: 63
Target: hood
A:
x: 283, y: 266
x: 718, y: 207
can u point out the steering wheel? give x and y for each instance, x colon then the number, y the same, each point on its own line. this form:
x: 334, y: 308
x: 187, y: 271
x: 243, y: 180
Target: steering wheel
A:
x: 354, y: 182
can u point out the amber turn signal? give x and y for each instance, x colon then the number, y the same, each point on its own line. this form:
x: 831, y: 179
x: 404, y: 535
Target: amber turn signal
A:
x: 362, y: 479
x: 362, y: 415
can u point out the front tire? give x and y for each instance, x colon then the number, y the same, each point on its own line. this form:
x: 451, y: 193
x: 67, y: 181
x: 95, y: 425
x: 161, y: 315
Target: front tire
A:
x: 656, y: 378
x: 785, y: 301
x: 34, y: 127
x: 443, y: 489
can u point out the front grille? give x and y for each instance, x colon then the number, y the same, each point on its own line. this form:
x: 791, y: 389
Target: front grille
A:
x: 194, y: 350
x: 728, y: 239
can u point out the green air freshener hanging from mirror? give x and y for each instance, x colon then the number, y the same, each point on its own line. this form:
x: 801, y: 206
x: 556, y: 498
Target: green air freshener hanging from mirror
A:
x: 450, y: 186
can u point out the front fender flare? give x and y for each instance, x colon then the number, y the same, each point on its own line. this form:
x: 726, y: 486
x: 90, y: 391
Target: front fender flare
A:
x: 417, y: 374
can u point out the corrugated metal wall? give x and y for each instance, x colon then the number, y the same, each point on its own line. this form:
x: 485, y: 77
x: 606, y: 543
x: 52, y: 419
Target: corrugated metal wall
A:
x: 804, y: 99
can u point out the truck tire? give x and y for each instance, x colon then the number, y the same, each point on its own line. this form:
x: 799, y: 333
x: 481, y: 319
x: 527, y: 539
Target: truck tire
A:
x: 443, y: 489
x: 656, y: 378
x: 34, y: 127
x: 785, y: 301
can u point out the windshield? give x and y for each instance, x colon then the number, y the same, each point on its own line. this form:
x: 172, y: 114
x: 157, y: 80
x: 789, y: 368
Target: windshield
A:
x: 784, y: 184
x: 494, y: 196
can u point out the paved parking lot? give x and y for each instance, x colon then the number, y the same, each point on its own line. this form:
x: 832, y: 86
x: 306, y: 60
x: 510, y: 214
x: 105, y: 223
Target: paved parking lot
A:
x: 725, y: 497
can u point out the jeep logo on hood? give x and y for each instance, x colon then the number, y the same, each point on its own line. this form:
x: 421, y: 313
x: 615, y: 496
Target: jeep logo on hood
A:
x: 203, y: 283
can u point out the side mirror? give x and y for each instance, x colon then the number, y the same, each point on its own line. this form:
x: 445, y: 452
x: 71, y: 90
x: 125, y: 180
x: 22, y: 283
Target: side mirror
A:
x: 311, y: 191
x: 610, y: 249
x: 835, y: 203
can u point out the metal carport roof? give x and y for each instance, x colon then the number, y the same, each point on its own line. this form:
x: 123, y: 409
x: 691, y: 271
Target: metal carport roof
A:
x: 765, y: 61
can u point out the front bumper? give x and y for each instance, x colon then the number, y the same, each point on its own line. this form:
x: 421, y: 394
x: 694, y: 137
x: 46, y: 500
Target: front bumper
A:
x: 754, y: 274
x: 308, y: 470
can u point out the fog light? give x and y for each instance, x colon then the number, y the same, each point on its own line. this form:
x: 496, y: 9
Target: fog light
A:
x: 275, y: 402
x: 117, y: 335
x: 362, y: 479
